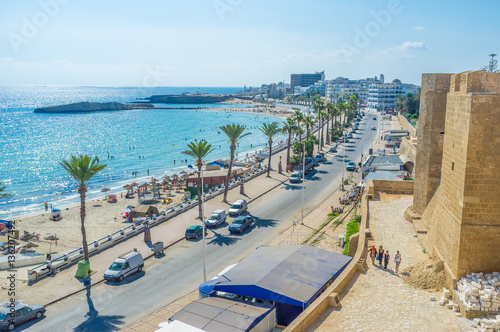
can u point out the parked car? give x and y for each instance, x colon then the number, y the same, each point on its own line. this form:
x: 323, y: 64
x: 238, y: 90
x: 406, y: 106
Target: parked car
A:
x: 333, y: 149
x: 351, y: 166
x: 296, y: 176
x: 374, y: 128
x: 124, y: 266
x: 374, y: 118
x: 240, y: 224
x: 238, y: 207
x: 22, y: 314
x: 320, y: 157
x: 194, y: 232
x: 218, y: 217
x: 349, y: 135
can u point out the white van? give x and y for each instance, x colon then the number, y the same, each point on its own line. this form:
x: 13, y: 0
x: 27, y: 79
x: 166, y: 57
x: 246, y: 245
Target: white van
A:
x: 124, y: 266
x: 238, y: 207
x: 218, y: 217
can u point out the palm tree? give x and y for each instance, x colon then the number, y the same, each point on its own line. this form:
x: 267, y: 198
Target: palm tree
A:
x: 270, y: 130
x: 199, y: 150
x: 326, y: 119
x: 289, y: 127
x: 234, y: 132
x: 299, y: 117
x: 3, y: 194
x: 309, y: 123
x: 82, y: 168
x: 318, y: 107
x: 331, y: 114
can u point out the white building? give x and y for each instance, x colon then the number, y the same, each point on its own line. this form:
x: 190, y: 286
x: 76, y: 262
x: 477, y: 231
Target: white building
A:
x: 345, y: 86
x: 383, y: 96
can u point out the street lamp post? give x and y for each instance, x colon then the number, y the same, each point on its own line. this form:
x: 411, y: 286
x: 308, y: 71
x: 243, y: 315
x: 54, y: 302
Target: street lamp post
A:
x: 343, y: 159
x: 303, y: 180
x: 203, y: 223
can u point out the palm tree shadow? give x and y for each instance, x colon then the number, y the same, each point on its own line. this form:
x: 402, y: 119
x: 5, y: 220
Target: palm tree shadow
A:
x: 292, y: 187
x: 222, y: 240
x: 264, y: 223
x: 95, y: 322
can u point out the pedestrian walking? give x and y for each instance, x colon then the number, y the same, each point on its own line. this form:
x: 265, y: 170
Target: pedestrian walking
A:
x: 380, y: 255
x: 397, y: 260
x: 386, y: 259
x: 373, y: 253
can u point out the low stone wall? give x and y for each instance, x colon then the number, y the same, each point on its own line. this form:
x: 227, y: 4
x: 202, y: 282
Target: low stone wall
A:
x: 406, y: 125
x: 308, y: 316
x: 389, y: 186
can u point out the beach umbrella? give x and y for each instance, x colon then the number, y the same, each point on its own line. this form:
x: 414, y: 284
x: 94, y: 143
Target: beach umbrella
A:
x: 95, y: 200
x: 51, y: 238
x: 30, y: 245
x: 134, y: 184
x: 154, y: 180
x: 105, y: 189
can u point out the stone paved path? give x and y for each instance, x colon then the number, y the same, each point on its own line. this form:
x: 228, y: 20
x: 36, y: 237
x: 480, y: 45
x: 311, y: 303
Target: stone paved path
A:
x: 378, y: 300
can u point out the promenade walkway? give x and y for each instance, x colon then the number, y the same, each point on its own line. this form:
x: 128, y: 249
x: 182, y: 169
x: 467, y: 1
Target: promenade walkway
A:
x: 379, y: 300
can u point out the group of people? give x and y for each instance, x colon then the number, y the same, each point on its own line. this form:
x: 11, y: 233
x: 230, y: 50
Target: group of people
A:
x: 383, y: 257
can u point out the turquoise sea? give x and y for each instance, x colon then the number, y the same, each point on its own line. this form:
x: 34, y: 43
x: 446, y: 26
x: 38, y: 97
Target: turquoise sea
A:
x: 32, y: 145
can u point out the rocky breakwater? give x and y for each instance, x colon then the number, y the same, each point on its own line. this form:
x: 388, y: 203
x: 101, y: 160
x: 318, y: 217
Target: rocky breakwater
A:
x: 188, y: 99
x: 87, y: 107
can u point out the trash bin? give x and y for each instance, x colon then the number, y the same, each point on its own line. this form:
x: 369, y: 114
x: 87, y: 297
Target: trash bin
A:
x: 157, y: 248
x: 86, y: 282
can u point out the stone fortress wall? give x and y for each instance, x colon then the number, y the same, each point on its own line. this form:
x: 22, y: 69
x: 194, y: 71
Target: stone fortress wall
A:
x: 457, y: 181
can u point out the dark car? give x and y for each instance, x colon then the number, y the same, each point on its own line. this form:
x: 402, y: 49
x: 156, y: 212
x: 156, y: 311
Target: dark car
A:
x: 240, y: 224
x: 194, y: 232
x: 374, y: 118
x: 21, y: 314
x: 333, y: 149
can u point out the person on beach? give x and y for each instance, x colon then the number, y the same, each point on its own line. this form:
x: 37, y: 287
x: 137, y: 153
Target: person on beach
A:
x: 46, y: 206
x: 380, y: 255
x: 373, y: 253
x: 397, y: 260
x: 386, y: 259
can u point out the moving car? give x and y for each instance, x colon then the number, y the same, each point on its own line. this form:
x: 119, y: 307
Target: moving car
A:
x: 238, y: 207
x: 374, y: 118
x: 349, y: 135
x: 240, y: 224
x: 351, y: 166
x: 333, y: 149
x: 21, y: 314
x: 124, y: 266
x: 374, y: 128
x: 295, y: 177
x: 194, y: 232
x: 320, y: 157
x: 218, y: 217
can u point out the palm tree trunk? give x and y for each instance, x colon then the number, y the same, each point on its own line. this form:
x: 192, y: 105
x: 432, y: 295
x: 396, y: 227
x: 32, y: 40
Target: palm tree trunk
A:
x: 300, y: 135
x: 233, y: 147
x: 327, y: 128
x: 288, y: 151
x: 270, y: 154
x: 199, y: 190
x: 82, y: 221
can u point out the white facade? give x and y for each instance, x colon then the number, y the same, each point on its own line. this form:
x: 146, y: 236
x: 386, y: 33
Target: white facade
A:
x: 383, y: 96
x: 343, y: 85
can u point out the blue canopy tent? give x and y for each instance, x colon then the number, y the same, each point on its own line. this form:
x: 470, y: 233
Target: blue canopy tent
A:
x: 290, y: 276
x: 216, y: 163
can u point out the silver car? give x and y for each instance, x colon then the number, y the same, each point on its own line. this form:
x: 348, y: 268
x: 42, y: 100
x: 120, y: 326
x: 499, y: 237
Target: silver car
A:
x: 9, y: 319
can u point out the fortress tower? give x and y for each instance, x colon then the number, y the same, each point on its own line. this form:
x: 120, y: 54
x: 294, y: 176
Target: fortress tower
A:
x: 457, y: 173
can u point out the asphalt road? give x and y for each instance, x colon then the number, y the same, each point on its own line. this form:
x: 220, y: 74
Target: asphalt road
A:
x: 110, y: 307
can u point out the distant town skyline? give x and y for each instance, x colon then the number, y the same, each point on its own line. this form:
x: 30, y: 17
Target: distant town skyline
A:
x: 237, y: 42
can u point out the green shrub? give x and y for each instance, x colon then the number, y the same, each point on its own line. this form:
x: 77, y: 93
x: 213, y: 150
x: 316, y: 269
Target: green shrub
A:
x: 352, y: 228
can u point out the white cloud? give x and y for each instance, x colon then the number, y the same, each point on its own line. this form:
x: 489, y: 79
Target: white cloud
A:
x: 405, y: 50
x: 419, y: 27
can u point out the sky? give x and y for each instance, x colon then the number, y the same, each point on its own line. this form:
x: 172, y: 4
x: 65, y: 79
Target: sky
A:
x: 232, y: 43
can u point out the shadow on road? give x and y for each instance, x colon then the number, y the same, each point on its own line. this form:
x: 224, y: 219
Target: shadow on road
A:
x: 264, y: 223
x: 129, y: 279
x: 292, y: 186
x: 222, y: 240
x: 96, y: 322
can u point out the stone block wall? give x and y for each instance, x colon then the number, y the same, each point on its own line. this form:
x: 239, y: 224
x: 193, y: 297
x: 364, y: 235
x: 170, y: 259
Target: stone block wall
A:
x: 463, y: 217
x: 430, y: 136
